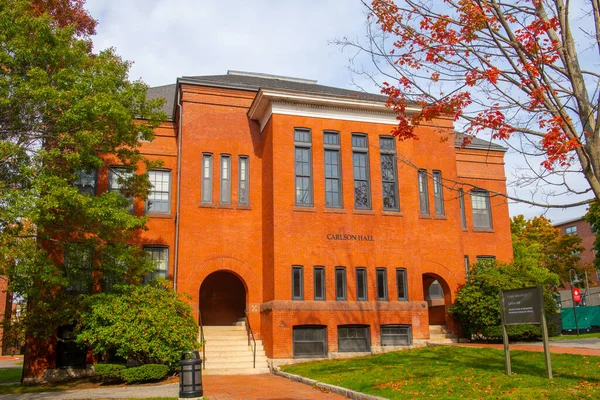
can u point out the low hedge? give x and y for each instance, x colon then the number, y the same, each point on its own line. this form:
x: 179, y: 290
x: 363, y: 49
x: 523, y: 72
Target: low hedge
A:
x: 109, y: 372
x: 115, y: 373
x: 145, y: 373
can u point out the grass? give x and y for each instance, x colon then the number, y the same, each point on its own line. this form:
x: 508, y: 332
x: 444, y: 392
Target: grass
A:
x: 10, y: 375
x: 459, y: 372
x: 594, y: 335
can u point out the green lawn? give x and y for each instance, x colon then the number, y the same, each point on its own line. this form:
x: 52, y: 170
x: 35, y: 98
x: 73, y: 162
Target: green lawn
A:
x: 10, y: 375
x: 594, y: 335
x: 459, y: 372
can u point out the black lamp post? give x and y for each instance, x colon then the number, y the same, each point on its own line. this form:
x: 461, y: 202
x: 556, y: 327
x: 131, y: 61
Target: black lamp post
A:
x: 574, y: 281
x: 190, y: 375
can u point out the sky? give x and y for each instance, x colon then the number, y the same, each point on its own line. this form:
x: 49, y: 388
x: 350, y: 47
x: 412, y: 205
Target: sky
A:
x: 166, y: 39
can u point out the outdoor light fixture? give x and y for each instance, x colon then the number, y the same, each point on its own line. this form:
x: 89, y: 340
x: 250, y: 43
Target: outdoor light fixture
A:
x: 574, y: 281
x: 190, y: 375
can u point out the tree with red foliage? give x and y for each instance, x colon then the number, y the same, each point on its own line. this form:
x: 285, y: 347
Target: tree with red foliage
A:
x: 67, y: 13
x: 524, y: 71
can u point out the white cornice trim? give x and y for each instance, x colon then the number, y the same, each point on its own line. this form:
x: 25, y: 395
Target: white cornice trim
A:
x: 269, y: 102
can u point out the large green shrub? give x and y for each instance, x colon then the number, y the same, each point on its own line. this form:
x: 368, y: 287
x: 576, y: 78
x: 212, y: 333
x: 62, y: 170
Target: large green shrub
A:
x: 477, y: 304
x: 145, y: 373
x: 109, y: 372
x: 146, y: 324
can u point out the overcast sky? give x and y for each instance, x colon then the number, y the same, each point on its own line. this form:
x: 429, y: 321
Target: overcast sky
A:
x: 166, y: 39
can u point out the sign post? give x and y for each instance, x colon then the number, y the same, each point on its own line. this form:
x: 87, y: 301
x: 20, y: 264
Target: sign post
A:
x: 519, y: 307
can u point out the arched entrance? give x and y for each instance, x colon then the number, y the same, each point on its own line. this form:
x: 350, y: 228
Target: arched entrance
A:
x: 222, y: 299
x: 437, y: 294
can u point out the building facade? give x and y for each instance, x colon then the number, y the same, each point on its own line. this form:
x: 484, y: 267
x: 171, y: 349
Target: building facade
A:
x: 291, y: 203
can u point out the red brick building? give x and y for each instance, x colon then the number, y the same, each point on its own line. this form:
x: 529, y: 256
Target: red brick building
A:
x: 290, y: 201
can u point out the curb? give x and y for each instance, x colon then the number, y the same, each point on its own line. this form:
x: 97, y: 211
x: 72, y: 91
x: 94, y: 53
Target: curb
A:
x: 351, y: 394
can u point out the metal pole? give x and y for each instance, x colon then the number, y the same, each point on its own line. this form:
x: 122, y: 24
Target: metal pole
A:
x: 505, y: 336
x: 574, y: 307
x: 545, y: 335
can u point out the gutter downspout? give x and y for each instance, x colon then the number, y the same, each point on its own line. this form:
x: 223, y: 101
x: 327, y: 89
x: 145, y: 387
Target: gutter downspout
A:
x: 179, y: 148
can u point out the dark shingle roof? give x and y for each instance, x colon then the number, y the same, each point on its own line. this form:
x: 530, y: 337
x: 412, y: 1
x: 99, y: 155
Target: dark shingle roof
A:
x: 167, y: 92
x: 254, y: 82
x: 476, y: 143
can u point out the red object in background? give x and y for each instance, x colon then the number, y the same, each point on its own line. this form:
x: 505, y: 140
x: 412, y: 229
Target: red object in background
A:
x: 576, y: 295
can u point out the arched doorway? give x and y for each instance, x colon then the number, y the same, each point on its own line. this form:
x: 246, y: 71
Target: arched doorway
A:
x: 222, y: 299
x: 437, y: 294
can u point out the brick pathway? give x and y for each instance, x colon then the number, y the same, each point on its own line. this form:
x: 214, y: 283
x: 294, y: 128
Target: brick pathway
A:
x: 261, y: 387
x: 554, y: 349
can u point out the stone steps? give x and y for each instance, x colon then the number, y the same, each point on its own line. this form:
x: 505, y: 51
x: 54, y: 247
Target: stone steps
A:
x: 236, y: 371
x: 439, y: 334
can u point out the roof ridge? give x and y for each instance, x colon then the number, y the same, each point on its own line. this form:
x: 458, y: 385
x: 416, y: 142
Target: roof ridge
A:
x: 271, y: 76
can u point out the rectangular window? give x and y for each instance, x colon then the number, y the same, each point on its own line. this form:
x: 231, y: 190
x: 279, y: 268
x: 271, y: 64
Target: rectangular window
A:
x: 353, y: 338
x: 225, y: 179
x: 571, y: 230
x: 389, y: 174
x: 401, y: 284
x: 340, y: 283
x: 467, y: 266
x: 463, y: 214
x: 68, y: 353
x: 116, y: 176
x: 423, y: 193
x: 86, y: 182
x: 486, y: 259
x: 159, y: 198
x: 78, y: 267
x: 333, y: 170
x: 319, y: 283
x: 243, y: 179
x: 303, y: 167
x: 482, y: 214
x: 438, y: 194
x: 297, y: 283
x: 395, y: 335
x: 160, y: 256
x: 360, y: 162
x: 361, y: 284
x: 207, y: 176
x: 382, y: 292
x: 310, y: 341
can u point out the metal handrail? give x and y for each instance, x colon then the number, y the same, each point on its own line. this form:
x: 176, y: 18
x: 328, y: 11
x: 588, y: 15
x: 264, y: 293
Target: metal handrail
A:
x: 202, y: 340
x: 250, y: 334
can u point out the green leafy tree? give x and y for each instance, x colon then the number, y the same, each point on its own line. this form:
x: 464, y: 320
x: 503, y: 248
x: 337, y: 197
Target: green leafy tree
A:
x: 536, y: 238
x: 477, y: 304
x: 147, y: 324
x: 63, y: 109
x: 593, y: 217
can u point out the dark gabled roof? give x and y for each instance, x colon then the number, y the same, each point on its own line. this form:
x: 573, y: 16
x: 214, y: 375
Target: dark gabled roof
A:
x: 477, y: 144
x: 254, y: 82
x: 167, y: 92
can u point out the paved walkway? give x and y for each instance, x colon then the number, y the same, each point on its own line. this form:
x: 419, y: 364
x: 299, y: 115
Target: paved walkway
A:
x: 245, y: 387
x: 583, y: 347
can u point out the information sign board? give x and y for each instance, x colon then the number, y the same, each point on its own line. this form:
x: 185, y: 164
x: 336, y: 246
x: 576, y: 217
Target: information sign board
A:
x: 522, y: 306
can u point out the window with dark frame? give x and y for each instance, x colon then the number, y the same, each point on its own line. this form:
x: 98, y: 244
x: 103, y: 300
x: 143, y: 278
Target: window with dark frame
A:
x: 482, y: 213
x: 360, y: 163
x: 463, y: 214
x: 225, y: 179
x: 160, y: 256
x: 115, y: 177
x: 485, y: 259
x: 389, y: 173
x: 78, y: 264
x: 319, y: 283
x: 333, y: 169
x: 68, y: 352
x: 395, y: 335
x: 86, y: 182
x: 159, y: 198
x: 297, y: 282
x: 309, y: 341
x: 303, y: 167
x: 401, y: 284
x: 423, y: 193
x: 571, y: 230
x: 467, y: 266
x: 382, y: 289
x: 207, y: 178
x: 354, y: 338
x: 438, y: 193
x: 340, y: 283
x: 361, y: 284
x: 243, y: 180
